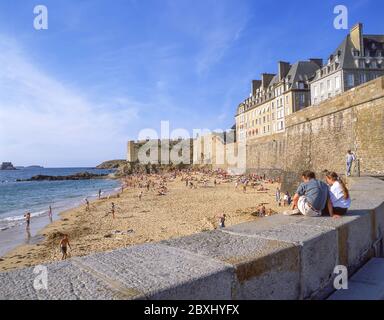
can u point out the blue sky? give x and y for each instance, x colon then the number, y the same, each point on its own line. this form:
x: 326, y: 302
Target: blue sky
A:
x: 74, y: 94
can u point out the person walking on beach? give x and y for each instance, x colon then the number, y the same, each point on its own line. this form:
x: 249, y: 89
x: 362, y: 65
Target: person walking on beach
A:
x: 277, y: 195
x: 113, y: 210
x: 285, y: 199
x: 50, y: 212
x: 64, y: 244
x: 27, y: 217
x: 87, y: 209
x: 350, y: 157
x: 99, y: 194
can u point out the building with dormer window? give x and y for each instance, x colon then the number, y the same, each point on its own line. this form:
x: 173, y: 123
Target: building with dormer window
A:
x: 358, y: 59
x: 274, y: 97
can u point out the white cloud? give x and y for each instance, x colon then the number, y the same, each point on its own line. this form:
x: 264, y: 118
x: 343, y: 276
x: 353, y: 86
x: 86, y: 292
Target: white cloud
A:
x: 45, y: 121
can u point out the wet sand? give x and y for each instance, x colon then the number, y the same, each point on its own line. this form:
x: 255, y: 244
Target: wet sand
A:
x: 183, y: 211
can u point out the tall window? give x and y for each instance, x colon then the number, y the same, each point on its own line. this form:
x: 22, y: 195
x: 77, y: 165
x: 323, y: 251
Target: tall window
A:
x: 337, y: 82
x: 363, y: 78
x: 350, y: 80
x: 302, y: 99
x: 316, y: 91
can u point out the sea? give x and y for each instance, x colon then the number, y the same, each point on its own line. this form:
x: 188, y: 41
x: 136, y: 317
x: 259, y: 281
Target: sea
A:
x: 17, y: 198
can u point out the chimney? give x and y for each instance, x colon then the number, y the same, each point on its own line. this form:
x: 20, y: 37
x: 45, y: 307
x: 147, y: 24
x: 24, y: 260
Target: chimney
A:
x: 283, y: 69
x: 356, y: 35
x: 256, y: 84
x: 266, y: 79
x: 317, y: 61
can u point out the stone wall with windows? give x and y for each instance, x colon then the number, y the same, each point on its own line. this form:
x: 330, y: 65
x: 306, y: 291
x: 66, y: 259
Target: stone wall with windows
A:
x: 317, y: 138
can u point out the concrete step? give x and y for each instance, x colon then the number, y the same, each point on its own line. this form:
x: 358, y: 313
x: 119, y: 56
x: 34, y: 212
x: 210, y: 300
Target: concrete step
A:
x: 366, y: 284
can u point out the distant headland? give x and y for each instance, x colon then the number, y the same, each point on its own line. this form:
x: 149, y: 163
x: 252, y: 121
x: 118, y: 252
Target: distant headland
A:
x: 10, y: 166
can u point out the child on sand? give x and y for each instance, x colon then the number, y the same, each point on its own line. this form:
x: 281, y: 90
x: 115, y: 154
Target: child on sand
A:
x: 140, y: 195
x: 222, y: 220
x: 262, y: 211
x: 64, y: 244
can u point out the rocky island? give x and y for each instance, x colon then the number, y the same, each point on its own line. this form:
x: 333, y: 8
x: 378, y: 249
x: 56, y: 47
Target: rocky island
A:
x: 7, y: 166
x: 77, y: 176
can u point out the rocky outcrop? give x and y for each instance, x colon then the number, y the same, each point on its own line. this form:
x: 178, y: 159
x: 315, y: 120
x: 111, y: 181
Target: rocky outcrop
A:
x: 111, y: 164
x: 7, y: 166
x: 77, y: 176
x: 138, y: 168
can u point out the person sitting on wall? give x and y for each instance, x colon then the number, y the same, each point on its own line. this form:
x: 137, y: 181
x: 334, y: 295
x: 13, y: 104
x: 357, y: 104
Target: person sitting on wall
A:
x: 311, y: 197
x: 339, y: 195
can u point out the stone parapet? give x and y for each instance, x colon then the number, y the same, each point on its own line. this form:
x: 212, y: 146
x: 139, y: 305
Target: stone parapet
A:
x: 277, y: 257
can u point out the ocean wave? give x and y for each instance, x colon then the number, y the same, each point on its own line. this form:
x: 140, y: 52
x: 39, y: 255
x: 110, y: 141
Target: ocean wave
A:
x: 21, y: 217
x: 16, y: 218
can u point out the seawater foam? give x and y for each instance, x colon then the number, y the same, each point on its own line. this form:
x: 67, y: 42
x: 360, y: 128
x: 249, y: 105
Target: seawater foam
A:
x: 9, y: 222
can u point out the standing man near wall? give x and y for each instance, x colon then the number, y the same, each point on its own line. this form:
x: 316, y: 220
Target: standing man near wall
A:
x: 350, y: 158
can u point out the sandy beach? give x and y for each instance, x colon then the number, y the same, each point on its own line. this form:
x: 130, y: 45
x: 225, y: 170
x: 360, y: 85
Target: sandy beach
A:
x: 182, y: 211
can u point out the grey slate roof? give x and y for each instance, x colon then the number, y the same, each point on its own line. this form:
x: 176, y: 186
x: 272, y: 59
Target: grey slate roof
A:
x: 345, y: 54
x: 301, y: 71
